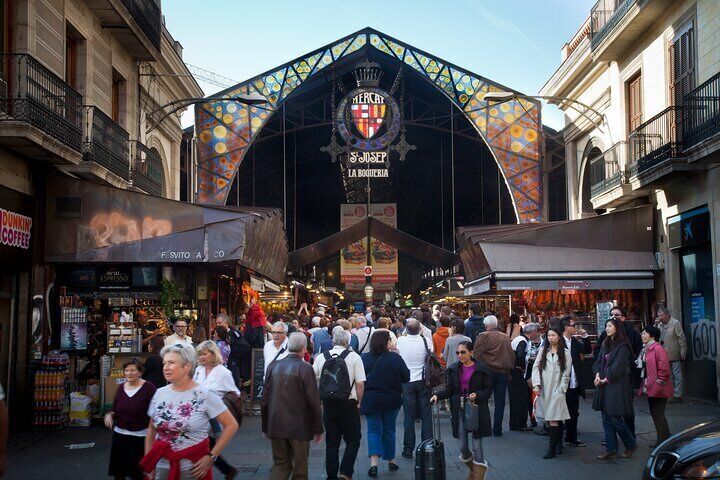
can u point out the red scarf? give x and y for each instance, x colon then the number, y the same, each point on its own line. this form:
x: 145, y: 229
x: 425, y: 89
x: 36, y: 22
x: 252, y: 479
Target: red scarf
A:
x: 162, y: 449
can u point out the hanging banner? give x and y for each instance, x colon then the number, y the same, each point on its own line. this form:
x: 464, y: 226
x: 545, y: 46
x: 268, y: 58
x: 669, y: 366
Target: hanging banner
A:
x: 383, y: 258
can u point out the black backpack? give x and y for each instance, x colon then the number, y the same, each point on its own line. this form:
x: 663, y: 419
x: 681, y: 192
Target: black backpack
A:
x: 433, y: 374
x: 335, y: 383
x: 239, y: 346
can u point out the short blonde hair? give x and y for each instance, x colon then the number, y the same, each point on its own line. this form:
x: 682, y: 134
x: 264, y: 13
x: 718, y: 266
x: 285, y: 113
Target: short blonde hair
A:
x: 212, y: 348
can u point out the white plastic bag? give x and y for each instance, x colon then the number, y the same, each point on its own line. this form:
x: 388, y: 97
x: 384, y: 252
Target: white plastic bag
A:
x: 79, y: 410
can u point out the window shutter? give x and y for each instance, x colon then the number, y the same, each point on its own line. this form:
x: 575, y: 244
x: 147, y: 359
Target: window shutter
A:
x: 635, y: 110
x: 682, y: 66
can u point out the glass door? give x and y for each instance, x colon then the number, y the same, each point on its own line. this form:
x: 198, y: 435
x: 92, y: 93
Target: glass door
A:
x: 699, y: 321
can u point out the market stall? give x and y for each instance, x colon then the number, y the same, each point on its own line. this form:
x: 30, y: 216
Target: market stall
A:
x: 580, y: 267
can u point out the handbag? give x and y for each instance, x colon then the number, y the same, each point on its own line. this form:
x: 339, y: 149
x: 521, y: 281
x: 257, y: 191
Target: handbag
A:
x: 471, y: 416
x: 234, y: 404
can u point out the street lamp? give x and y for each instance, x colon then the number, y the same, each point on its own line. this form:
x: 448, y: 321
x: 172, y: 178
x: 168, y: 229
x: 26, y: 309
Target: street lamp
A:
x: 245, y: 98
x: 502, y: 97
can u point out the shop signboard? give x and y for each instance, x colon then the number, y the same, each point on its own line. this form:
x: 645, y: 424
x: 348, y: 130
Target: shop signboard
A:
x: 114, y: 278
x: 353, y: 258
x: 15, y: 226
x: 689, y: 228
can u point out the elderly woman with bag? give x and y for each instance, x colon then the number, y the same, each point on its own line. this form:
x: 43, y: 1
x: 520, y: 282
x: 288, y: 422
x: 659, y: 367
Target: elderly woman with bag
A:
x: 177, y: 446
x: 613, y: 391
x: 469, y: 386
x: 550, y: 378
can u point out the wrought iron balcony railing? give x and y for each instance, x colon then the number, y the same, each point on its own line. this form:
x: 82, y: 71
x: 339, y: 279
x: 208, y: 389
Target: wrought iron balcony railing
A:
x: 701, y: 112
x: 37, y: 96
x: 106, y: 143
x: 147, y: 171
x: 655, y: 141
x: 605, y: 169
x: 604, y: 16
x: 147, y: 14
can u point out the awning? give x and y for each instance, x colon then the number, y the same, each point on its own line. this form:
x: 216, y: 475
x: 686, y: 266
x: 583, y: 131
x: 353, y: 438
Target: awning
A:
x: 612, y: 251
x: 385, y: 233
x: 87, y: 222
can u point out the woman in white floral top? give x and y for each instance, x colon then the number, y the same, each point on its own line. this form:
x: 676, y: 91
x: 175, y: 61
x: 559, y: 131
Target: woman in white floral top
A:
x: 177, y: 445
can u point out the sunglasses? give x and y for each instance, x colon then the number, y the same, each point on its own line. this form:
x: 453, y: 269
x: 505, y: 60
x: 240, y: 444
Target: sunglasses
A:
x: 461, y: 352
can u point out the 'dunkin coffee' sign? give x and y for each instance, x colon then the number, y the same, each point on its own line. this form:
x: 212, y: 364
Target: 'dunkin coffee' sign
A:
x: 16, y: 224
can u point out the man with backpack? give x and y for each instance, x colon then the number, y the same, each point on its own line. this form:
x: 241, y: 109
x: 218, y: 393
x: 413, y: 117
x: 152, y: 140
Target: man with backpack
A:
x: 240, y: 351
x: 341, y: 376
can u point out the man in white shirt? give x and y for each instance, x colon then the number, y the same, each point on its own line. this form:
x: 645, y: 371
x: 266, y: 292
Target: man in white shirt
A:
x: 578, y: 348
x: 413, y: 349
x: 276, y: 349
x: 362, y: 332
x: 180, y: 327
x: 342, y: 417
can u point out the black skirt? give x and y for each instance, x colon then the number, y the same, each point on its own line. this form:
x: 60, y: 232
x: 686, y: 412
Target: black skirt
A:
x: 125, y: 455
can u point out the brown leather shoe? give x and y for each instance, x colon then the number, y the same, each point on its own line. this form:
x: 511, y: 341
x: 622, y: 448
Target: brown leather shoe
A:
x: 629, y: 452
x: 606, y: 456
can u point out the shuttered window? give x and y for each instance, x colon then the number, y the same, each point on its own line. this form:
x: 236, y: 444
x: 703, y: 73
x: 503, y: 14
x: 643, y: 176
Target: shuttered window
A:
x: 634, y: 102
x: 682, y: 65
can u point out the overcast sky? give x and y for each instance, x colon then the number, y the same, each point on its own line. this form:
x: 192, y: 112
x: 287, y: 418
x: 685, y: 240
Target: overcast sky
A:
x: 514, y: 42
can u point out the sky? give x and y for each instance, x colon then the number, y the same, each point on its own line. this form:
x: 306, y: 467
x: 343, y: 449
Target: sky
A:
x: 516, y: 43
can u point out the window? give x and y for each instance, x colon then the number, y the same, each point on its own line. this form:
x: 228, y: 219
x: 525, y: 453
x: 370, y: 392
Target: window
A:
x: 681, y: 57
x: 118, y: 98
x: 634, y: 102
x: 71, y: 61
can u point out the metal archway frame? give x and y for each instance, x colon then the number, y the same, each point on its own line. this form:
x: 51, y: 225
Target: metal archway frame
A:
x: 511, y: 130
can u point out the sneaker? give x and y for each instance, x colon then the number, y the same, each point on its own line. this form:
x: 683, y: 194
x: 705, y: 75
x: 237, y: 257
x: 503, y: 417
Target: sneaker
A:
x: 407, y: 454
x: 575, y: 443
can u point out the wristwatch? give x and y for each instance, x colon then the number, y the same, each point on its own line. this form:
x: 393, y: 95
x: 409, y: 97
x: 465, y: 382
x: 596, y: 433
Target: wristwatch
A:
x: 213, y: 457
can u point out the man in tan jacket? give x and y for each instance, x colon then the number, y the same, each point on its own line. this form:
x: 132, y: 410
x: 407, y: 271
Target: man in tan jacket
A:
x: 492, y: 347
x: 672, y: 338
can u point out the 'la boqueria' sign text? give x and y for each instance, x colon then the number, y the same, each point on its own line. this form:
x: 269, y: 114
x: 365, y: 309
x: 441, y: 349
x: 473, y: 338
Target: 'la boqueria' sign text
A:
x: 15, y: 229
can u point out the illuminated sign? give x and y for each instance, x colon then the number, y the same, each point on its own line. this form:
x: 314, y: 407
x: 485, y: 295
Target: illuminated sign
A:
x: 15, y: 229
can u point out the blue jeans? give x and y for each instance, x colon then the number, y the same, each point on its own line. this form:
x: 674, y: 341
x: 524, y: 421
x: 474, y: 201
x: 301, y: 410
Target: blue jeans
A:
x: 381, y: 433
x: 500, y: 386
x: 615, y: 426
x: 416, y: 404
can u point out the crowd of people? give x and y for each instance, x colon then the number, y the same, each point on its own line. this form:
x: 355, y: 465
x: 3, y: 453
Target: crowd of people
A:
x: 174, y: 415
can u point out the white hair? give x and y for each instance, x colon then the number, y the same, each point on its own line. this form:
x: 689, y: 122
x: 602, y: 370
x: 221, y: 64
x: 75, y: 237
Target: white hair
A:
x: 296, y: 342
x: 282, y: 325
x: 531, y: 327
x: 316, y: 321
x: 490, y: 321
x: 185, y: 352
x: 340, y: 336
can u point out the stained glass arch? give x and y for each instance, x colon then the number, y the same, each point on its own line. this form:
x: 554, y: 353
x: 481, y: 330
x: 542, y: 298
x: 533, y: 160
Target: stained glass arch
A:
x: 511, y: 129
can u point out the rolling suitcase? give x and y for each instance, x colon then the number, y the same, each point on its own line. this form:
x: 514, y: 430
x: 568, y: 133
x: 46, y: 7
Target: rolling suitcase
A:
x: 430, y: 454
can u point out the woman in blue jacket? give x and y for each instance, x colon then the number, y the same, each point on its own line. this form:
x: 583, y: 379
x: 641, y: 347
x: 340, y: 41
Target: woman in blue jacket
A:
x: 386, y: 372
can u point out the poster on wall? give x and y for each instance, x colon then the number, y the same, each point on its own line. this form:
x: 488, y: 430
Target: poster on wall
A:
x: 73, y: 328
x: 383, y: 257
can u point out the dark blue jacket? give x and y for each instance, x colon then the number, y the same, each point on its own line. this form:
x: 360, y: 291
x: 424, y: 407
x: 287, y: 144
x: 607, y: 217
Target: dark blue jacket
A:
x: 383, y: 386
x: 474, y: 326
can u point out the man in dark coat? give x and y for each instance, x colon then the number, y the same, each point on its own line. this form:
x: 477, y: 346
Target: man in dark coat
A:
x: 636, y: 345
x: 578, y: 349
x: 474, y: 325
x: 290, y: 387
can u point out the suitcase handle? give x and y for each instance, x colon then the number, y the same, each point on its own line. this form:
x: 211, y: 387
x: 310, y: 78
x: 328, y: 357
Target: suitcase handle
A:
x: 436, y: 422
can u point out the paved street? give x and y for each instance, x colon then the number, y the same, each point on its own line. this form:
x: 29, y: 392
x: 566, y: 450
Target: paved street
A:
x: 513, y: 456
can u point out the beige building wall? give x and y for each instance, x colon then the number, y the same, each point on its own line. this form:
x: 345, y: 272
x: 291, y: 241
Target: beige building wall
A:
x: 602, y: 85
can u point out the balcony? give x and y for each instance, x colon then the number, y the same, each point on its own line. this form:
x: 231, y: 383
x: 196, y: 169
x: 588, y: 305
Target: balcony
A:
x: 106, y: 154
x: 135, y: 23
x: 147, y: 174
x: 701, y: 122
x: 616, y: 25
x: 40, y: 115
x: 654, y: 149
x: 609, y: 185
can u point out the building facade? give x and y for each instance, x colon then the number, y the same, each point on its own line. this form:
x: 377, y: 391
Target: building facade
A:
x: 81, y: 95
x: 639, y: 84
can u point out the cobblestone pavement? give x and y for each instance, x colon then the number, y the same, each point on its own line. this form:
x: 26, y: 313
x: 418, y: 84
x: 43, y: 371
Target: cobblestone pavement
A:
x: 515, y: 455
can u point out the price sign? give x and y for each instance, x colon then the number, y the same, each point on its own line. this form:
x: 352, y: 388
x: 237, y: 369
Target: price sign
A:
x: 257, y: 384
